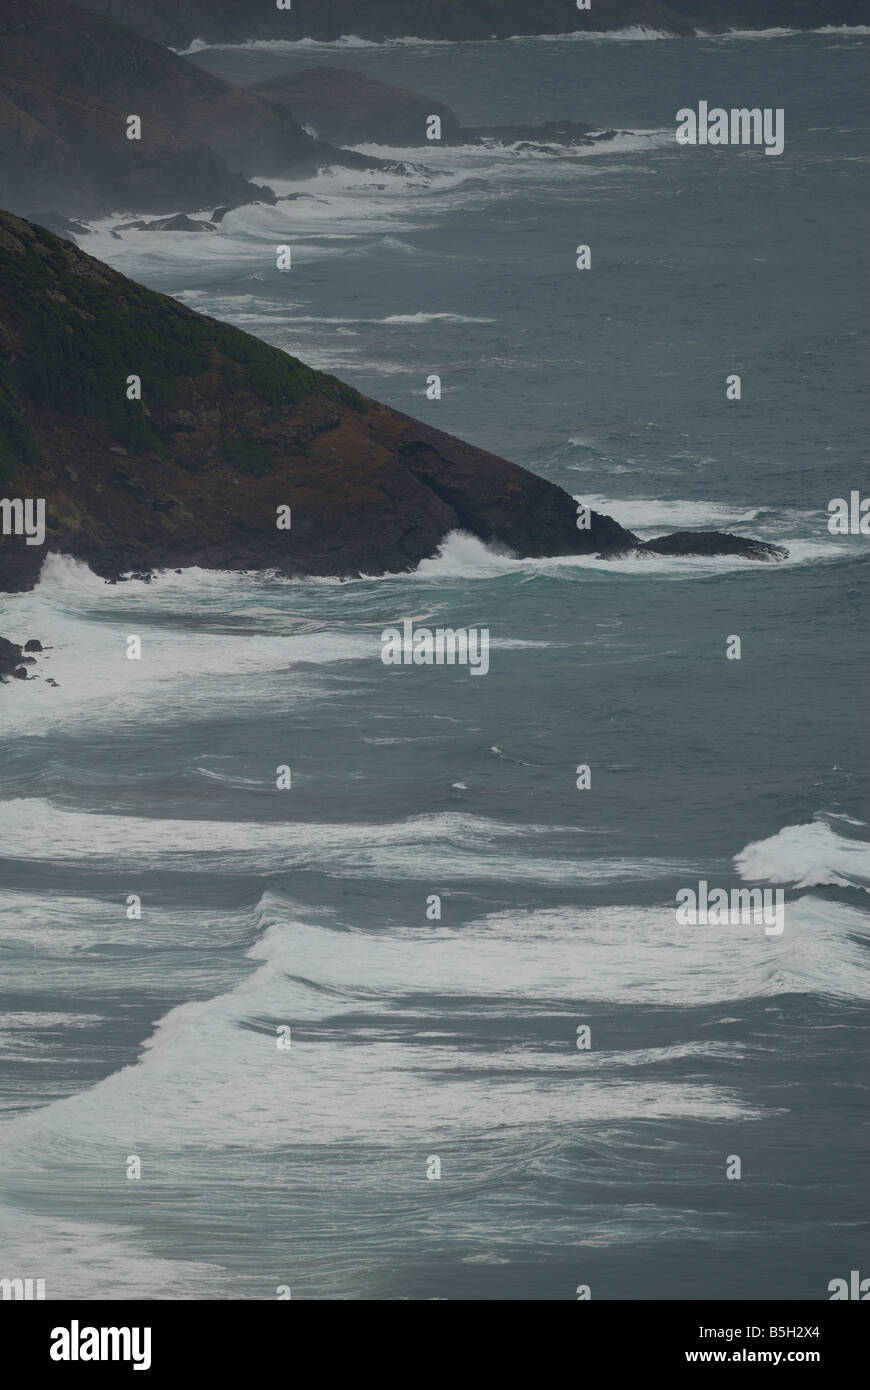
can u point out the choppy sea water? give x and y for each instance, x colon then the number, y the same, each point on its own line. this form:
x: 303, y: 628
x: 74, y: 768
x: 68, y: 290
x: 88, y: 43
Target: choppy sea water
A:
x: 414, y: 1039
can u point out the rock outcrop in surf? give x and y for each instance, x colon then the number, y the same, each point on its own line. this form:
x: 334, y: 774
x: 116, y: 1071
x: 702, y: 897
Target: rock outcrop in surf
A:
x: 710, y: 543
x: 236, y: 455
x: 15, y: 659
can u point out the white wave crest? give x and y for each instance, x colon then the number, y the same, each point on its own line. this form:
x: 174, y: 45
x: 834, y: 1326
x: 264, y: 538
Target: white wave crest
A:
x: 33, y: 828
x: 211, y: 1067
x: 463, y: 556
x: 855, y: 30
x: 632, y: 33
x: 431, y: 318
x: 807, y: 856
x: 641, y: 514
x: 294, y: 45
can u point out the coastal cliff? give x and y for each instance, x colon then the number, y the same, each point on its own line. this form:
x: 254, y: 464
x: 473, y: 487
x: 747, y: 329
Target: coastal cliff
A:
x: 237, y: 455
x: 70, y: 81
x: 227, y: 431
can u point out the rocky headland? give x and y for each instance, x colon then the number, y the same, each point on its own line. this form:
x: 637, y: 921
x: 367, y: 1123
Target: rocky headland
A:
x: 69, y: 83
x: 349, y: 108
x: 237, y: 455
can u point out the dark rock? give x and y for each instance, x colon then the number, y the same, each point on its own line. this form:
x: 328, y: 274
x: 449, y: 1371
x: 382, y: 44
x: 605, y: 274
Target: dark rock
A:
x: 182, y: 420
x: 706, y: 543
x: 20, y: 563
x: 10, y: 656
x: 121, y: 478
x: 13, y: 662
x: 180, y: 223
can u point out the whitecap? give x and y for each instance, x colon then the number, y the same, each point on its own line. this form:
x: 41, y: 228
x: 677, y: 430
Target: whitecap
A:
x: 807, y: 855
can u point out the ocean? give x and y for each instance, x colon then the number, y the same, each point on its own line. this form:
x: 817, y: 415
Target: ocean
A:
x: 334, y: 1092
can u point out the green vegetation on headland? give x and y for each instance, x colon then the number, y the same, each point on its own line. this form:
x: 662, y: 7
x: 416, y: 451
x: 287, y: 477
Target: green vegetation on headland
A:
x: 77, y: 339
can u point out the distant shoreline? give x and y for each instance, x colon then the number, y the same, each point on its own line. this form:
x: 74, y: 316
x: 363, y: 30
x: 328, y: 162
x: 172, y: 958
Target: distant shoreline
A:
x: 180, y: 24
x: 631, y: 34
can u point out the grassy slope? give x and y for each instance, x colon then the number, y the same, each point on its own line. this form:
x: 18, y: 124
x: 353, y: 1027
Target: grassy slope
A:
x: 81, y: 371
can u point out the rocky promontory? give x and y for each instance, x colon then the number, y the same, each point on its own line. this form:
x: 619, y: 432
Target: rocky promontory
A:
x: 235, y: 455
x: 70, y: 82
x: 349, y: 108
